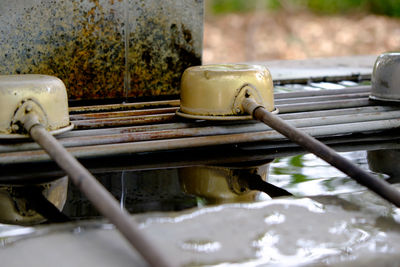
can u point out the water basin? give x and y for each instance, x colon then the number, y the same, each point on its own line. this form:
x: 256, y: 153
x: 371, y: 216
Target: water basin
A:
x: 328, y: 221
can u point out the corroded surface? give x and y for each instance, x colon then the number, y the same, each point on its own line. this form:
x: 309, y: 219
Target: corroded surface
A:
x: 103, y: 49
x: 44, y: 95
x: 165, y: 39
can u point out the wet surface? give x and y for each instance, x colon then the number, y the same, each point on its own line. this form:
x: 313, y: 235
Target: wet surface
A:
x: 137, y: 191
x: 324, y: 230
x: 329, y: 221
x: 216, y: 215
x: 307, y: 175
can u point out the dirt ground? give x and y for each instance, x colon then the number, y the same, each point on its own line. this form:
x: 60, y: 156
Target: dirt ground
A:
x: 296, y: 35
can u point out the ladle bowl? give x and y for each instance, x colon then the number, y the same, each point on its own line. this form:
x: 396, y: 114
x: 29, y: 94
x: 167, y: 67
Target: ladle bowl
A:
x: 16, y: 205
x: 215, y: 92
x: 385, y: 78
x: 46, y: 94
x: 221, y: 92
x: 220, y: 184
x: 33, y: 105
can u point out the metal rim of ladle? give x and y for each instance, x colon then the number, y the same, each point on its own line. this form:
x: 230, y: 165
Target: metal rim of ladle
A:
x: 219, y: 117
x: 23, y: 136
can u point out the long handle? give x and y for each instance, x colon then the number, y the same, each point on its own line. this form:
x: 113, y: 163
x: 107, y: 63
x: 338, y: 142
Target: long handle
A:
x: 380, y: 187
x: 104, y: 202
x: 255, y: 182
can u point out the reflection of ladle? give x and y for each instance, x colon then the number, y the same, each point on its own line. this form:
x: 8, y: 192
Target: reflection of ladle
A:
x: 255, y: 182
x: 34, y: 104
x: 219, y: 184
x: 34, y: 203
x: 221, y: 92
x: 40, y: 204
x: 385, y: 161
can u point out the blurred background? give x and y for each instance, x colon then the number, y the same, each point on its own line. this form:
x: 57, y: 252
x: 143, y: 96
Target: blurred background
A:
x: 257, y: 30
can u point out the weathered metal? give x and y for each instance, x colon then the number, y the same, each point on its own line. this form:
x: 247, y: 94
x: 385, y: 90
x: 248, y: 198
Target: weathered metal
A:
x: 151, y: 137
x: 124, y: 106
x: 378, y: 186
x: 308, y: 93
x: 45, y: 94
x: 19, y: 204
x: 104, y: 202
x: 216, y: 91
x: 227, y: 87
x: 234, y: 154
x: 325, y: 105
x: 386, y: 77
x: 33, y: 156
x: 109, y: 137
x: 103, y: 49
x: 120, y: 121
x: 38, y: 104
x: 321, y: 98
x: 127, y: 129
x: 126, y: 113
x: 219, y: 184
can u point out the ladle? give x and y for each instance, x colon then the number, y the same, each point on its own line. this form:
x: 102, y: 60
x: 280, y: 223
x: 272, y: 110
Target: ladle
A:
x: 37, y: 104
x: 223, y: 92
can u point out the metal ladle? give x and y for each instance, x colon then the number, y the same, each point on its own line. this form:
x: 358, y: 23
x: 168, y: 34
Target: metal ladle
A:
x: 231, y: 92
x: 37, y: 105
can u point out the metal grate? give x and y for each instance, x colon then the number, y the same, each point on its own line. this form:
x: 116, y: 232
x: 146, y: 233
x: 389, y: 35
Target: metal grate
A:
x: 111, y: 130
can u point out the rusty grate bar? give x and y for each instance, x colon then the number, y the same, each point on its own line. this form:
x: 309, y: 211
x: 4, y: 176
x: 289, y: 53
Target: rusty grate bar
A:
x: 193, y: 142
x: 321, y: 98
x: 123, y: 121
x: 351, y: 116
x: 298, y: 94
x: 155, y: 129
x: 295, y: 102
x: 124, y: 106
x: 125, y: 113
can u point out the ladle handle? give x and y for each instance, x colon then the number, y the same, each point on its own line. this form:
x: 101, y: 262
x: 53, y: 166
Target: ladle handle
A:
x: 380, y: 187
x: 104, y: 202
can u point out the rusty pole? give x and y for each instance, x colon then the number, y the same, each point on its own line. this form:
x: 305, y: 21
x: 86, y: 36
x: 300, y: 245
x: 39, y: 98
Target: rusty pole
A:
x: 314, y: 146
x: 104, y: 202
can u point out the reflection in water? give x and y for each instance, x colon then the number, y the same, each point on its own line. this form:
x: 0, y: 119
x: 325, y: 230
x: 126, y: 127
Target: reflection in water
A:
x: 177, y: 189
x: 343, y: 225
x: 219, y: 184
x: 123, y: 190
x: 385, y: 161
x: 33, y: 204
x: 137, y: 191
x: 224, y: 184
x: 308, y: 175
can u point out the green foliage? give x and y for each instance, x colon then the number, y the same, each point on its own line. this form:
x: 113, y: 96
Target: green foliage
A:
x: 228, y: 6
x: 386, y: 7
x: 332, y: 6
x: 297, y: 161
